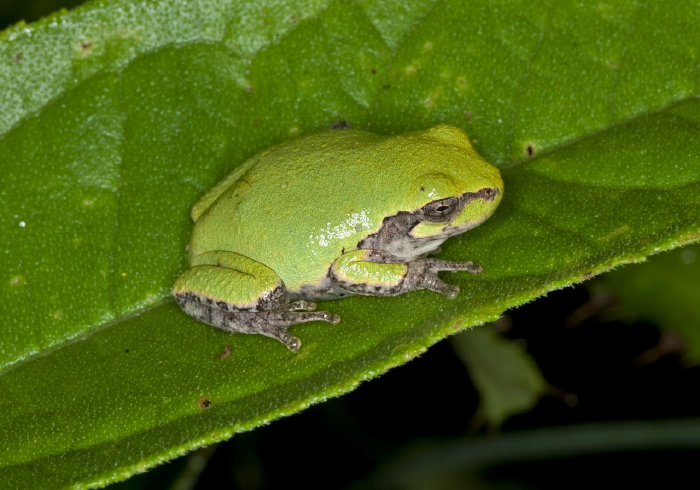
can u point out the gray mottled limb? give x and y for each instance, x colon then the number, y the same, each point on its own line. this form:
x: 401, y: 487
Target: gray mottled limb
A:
x: 421, y: 274
x: 272, y: 324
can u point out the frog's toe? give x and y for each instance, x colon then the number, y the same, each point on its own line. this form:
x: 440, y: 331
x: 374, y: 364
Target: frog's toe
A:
x: 469, y: 267
x: 314, y: 316
x: 293, y: 343
x: 281, y: 334
x: 446, y: 265
x: 434, y: 283
x: 277, y: 324
x: 302, y: 305
x: 331, y: 318
x: 450, y: 291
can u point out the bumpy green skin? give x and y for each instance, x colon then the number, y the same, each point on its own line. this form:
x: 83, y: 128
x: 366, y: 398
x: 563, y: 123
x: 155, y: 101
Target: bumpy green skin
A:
x: 329, y: 215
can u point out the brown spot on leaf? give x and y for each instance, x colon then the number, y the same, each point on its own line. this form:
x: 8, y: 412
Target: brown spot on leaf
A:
x: 340, y: 125
x: 86, y: 45
x: 18, y: 58
x: 17, y: 281
x: 204, y: 402
x: 226, y: 352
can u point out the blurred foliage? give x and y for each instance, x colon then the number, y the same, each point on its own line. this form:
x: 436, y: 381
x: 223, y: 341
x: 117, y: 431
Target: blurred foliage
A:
x: 665, y: 291
x: 507, y: 379
x: 13, y: 11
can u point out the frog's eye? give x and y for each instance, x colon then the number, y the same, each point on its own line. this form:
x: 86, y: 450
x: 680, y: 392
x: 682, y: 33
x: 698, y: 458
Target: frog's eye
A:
x: 440, y: 211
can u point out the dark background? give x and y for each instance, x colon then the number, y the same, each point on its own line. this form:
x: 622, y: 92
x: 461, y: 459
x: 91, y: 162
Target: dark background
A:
x: 13, y: 11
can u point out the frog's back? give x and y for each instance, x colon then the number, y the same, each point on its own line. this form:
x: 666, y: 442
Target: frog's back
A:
x: 298, y: 206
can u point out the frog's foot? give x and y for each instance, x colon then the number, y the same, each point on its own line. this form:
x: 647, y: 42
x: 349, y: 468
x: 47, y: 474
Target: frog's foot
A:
x: 422, y: 274
x: 272, y: 324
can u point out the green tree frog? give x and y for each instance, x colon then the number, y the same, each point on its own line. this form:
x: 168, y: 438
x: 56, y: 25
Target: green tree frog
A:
x: 330, y: 215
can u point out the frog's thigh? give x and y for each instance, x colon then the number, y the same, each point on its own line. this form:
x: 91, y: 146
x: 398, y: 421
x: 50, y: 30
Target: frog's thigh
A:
x: 230, y: 282
x: 357, y: 272
x: 237, y: 294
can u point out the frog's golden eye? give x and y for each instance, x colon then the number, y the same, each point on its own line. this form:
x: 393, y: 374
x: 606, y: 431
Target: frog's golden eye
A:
x: 440, y: 211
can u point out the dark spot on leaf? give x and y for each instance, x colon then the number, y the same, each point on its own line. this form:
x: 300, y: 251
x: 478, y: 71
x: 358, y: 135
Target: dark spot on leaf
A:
x: 86, y: 45
x: 530, y: 150
x: 422, y: 189
x: 340, y: 125
x: 204, y: 402
x: 386, y: 86
x: 126, y: 350
x: 226, y: 352
x: 373, y: 71
x: 19, y: 58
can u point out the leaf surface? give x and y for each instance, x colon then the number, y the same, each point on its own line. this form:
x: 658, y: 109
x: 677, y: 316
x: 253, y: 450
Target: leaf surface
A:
x: 116, y: 117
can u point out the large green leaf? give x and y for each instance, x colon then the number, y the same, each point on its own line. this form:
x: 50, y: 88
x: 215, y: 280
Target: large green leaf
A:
x: 115, y: 118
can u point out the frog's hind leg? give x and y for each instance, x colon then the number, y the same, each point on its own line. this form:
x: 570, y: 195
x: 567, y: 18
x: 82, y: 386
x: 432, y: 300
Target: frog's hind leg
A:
x: 237, y: 294
x: 272, y: 324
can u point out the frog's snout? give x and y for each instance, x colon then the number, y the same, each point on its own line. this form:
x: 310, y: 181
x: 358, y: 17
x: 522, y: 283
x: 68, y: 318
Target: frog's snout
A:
x: 490, y: 193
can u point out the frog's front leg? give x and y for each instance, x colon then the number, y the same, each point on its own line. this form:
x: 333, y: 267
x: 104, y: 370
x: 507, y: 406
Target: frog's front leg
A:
x: 378, y: 273
x: 237, y: 294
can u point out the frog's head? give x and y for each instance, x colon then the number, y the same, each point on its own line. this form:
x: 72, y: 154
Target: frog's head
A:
x: 448, y: 188
x: 459, y: 190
